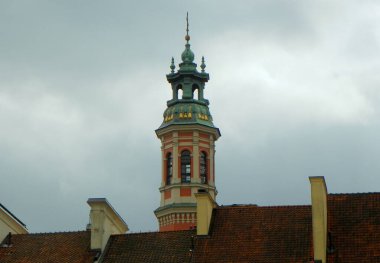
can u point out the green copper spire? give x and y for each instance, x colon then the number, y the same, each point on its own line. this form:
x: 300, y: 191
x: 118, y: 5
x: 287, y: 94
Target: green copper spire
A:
x: 187, y: 55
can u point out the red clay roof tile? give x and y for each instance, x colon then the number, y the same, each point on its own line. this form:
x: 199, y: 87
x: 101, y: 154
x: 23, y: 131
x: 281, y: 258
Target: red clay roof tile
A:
x: 241, y: 233
x: 154, y: 247
x: 238, y: 234
x: 257, y: 234
x: 65, y: 247
x: 354, y: 224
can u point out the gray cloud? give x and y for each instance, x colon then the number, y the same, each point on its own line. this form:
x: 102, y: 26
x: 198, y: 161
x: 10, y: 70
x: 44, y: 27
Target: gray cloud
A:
x: 294, y: 89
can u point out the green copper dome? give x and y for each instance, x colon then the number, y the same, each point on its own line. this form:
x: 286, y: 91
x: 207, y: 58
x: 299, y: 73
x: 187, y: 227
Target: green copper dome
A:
x: 187, y: 54
x: 187, y: 113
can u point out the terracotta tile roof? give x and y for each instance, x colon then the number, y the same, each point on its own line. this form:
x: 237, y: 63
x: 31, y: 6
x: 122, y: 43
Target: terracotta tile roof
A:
x: 150, y: 247
x: 238, y: 234
x: 257, y: 234
x: 354, y: 223
x: 73, y: 247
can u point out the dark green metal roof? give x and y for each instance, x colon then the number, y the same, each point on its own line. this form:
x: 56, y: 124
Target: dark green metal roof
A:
x: 187, y: 112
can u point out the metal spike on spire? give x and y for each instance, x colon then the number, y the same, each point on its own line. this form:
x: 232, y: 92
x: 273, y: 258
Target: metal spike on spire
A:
x: 172, y: 66
x: 187, y: 37
x: 203, y: 65
x: 187, y: 55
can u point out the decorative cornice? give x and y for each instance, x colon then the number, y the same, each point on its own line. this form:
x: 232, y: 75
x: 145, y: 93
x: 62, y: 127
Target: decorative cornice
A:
x: 192, y: 185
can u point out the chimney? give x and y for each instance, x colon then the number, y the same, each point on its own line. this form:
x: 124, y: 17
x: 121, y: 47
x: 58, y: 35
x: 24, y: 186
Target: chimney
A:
x: 205, y: 204
x: 104, y: 221
x: 319, y: 217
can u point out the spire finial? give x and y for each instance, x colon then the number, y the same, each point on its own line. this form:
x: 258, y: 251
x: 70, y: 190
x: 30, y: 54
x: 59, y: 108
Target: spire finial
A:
x: 203, y: 65
x: 187, y: 37
x: 172, y: 66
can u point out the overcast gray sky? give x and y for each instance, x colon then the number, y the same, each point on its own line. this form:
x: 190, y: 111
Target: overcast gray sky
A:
x: 294, y: 89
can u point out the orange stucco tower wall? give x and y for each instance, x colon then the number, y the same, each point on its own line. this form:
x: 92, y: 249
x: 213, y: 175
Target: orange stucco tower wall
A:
x: 188, y: 137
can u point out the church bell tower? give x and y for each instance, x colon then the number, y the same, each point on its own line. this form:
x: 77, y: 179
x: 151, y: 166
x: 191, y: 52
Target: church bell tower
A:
x: 188, y: 137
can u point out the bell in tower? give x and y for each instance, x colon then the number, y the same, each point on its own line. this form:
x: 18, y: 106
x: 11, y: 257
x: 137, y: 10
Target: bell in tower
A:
x: 188, y: 137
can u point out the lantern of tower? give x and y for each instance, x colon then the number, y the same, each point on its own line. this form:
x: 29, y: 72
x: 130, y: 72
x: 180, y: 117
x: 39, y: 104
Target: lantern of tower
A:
x: 188, y: 137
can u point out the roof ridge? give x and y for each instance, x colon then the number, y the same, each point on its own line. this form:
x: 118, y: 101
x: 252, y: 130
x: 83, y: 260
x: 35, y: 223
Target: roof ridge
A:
x: 279, y: 206
x: 152, y: 232
x: 358, y: 193
x: 53, y: 233
x: 237, y: 206
x: 259, y: 206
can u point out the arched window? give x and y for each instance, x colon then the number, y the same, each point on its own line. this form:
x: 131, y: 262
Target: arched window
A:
x: 195, y: 92
x: 179, y: 92
x: 185, y: 167
x: 169, y: 168
x: 203, y: 167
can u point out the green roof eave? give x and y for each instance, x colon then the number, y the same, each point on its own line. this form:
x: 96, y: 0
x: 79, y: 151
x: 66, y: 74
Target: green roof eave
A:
x: 167, y: 125
x: 202, y: 102
x: 172, y: 77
